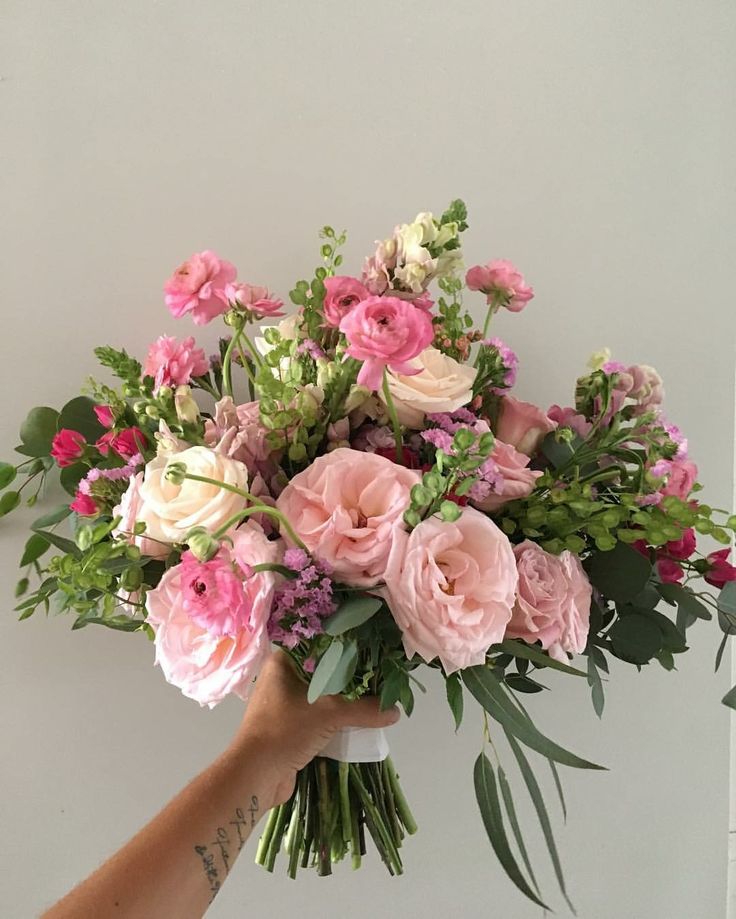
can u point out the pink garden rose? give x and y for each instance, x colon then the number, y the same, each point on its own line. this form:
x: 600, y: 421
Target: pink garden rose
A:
x: 104, y: 415
x: 501, y: 281
x: 347, y: 508
x: 522, y: 425
x: 210, y: 634
x: 193, y: 287
x: 174, y: 363
x: 553, y: 601
x: 721, y: 570
x: 386, y: 332
x: 254, y: 298
x: 67, y: 447
x: 515, y: 479
x: 451, y: 587
x: 341, y: 295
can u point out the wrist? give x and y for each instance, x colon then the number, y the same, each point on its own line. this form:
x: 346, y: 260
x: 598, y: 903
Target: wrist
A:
x: 260, y: 762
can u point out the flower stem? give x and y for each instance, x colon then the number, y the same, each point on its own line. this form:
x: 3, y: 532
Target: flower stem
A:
x: 227, y: 373
x: 402, y: 805
x: 394, y: 419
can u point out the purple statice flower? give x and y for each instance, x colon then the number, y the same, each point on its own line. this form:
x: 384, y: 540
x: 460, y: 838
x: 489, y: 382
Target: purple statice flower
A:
x: 509, y: 360
x: 117, y: 474
x: 310, y: 347
x: 301, y: 604
x: 439, y: 439
x: 676, y: 436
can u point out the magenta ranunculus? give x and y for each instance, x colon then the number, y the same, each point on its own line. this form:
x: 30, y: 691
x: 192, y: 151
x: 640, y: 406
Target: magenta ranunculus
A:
x: 258, y: 300
x: 174, y: 363
x: 104, y: 415
x: 499, y: 280
x: 213, y: 593
x: 513, y: 478
x: 553, y: 601
x: 84, y: 505
x: 386, y: 332
x: 342, y: 293
x: 522, y: 425
x: 451, y: 587
x: 721, y: 570
x: 193, y: 288
x: 347, y: 508
x: 67, y: 447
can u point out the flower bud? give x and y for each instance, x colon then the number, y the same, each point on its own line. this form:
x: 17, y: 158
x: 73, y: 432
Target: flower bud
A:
x: 176, y: 473
x: 202, y: 544
x: 186, y: 408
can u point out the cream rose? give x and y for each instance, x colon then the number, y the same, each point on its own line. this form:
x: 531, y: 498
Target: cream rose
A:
x: 442, y: 385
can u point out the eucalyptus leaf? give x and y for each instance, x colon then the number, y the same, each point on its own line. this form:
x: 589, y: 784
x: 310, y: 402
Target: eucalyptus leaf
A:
x: 518, y: 648
x: 351, y: 614
x: 596, y: 687
x: 79, y: 415
x: 727, y: 598
x: 334, y: 670
x: 71, y: 476
x: 35, y: 547
x: 730, y: 698
x: 508, y: 801
x: 8, y: 473
x: 8, y: 502
x: 635, y: 638
x: 454, y: 690
x: 38, y: 430
x: 619, y: 574
x: 52, y: 518
x: 60, y: 542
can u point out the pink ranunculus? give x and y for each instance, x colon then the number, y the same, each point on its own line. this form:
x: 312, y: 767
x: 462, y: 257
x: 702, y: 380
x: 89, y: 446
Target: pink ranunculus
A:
x: 515, y: 480
x: 386, y: 332
x: 174, y: 363
x: 553, y: 601
x: 236, y: 431
x: 191, y: 648
x: 104, y: 415
x: 522, y: 425
x: 258, y: 300
x: 500, y: 279
x: 67, y: 447
x: 84, y: 505
x: 193, y: 287
x: 451, y: 587
x: 341, y: 295
x: 347, y: 508
x: 721, y: 570
x: 569, y: 418
x: 126, y: 443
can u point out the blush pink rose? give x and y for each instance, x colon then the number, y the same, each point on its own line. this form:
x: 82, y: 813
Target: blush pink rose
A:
x: 347, y: 508
x: 191, y: 650
x: 512, y: 477
x: 193, y: 287
x: 500, y: 280
x: 174, y: 363
x: 254, y: 298
x: 386, y: 332
x: 342, y: 293
x: 451, y: 587
x: 553, y: 601
x: 522, y: 425
x: 67, y: 447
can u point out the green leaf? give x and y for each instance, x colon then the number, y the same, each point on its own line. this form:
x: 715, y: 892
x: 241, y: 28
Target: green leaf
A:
x: 334, y: 670
x: 536, y: 795
x: 488, y: 690
x: 508, y: 802
x: 21, y: 587
x: 119, y: 623
x: 559, y: 453
x: 486, y: 794
x: 558, y: 786
x: 38, y: 430
x: 351, y: 614
x: 619, y: 574
x: 7, y: 473
x: 727, y: 598
x: 635, y: 638
x: 34, y: 549
x: 454, y: 690
x: 596, y: 687
x: 394, y: 685
x: 522, y: 683
x: 730, y: 698
x: 518, y: 648
x: 71, y: 476
x: 9, y: 501
x: 52, y: 518
x: 79, y: 415
x: 721, y: 649
x: 689, y: 607
x: 65, y: 545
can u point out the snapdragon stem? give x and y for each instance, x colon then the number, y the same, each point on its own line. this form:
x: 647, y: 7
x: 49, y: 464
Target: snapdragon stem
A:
x: 394, y: 419
x: 227, y: 360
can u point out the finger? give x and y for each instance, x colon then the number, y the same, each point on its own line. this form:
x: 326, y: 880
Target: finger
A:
x: 365, y: 713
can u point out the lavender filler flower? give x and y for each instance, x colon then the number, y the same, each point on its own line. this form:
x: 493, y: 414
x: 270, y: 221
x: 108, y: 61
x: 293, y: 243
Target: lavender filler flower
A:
x: 301, y: 604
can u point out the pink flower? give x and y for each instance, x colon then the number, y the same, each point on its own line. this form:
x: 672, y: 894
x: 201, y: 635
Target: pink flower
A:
x: 500, y: 280
x: 516, y: 480
x: 670, y: 571
x: 213, y: 593
x: 126, y: 443
x: 347, y: 508
x: 191, y: 648
x: 451, y: 587
x: 236, y: 431
x: 683, y: 547
x: 721, y: 570
x: 174, y: 363
x: 646, y: 386
x: 104, y: 415
x: 569, y: 418
x: 386, y: 332
x: 553, y: 601
x: 378, y: 267
x: 193, y: 287
x: 341, y: 295
x: 67, y: 447
x: 84, y: 505
x: 254, y: 298
x: 680, y: 476
x: 131, y: 510
x: 522, y: 425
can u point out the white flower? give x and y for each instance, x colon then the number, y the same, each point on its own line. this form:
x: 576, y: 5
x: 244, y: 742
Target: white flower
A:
x: 599, y: 358
x: 287, y: 329
x: 443, y: 385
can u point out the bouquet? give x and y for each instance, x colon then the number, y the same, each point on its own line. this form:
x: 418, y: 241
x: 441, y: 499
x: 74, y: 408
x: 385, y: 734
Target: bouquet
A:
x: 356, y: 484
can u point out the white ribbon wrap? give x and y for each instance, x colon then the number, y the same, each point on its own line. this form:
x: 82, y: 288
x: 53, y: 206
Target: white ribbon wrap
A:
x: 358, y: 745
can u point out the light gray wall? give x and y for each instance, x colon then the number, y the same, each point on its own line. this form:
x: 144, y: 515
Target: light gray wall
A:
x: 593, y: 142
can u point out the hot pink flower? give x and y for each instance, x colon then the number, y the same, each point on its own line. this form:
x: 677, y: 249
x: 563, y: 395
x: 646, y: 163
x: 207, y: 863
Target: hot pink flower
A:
x: 386, y: 332
x: 721, y: 570
x: 515, y: 479
x: 126, y: 443
x: 194, y: 285
x: 553, y: 601
x: 670, y: 571
x: 104, y: 415
x: 683, y: 547
x: 569, y: 418
x: 522, y: 425
x: 451, y: 587
x: 347, y: 508
x: 254, y: 298
x: 174, y: 363
x: 500, y: 279
x: 84, y: 505
x: 67, y: 447
x: 341, y: 295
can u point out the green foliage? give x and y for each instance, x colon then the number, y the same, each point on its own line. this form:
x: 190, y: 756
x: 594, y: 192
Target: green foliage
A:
x: 454, y: 692
x: 79, y: 415
x: 619, y: 574
x: 38, y: 430
x: 334, y: 670
x: 8, y: 472
x: 351, y: 614
x: 121, y: 364
x: 8, y: 502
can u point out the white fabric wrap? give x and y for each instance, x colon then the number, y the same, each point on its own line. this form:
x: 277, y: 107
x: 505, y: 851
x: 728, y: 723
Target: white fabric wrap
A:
x: 358, y: 745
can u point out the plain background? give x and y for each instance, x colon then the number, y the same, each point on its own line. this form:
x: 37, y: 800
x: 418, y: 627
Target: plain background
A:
x: 594, y: 145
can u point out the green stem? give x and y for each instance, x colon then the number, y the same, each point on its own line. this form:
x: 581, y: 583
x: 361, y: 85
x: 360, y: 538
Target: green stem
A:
x: 227, y: 373
x: 394, y: 419
x: 265, y: 841
x: 257, y: 359
x: 324, y: 860
x: 402, y: 805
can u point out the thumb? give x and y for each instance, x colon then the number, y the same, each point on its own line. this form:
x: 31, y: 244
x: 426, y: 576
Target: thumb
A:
x: 365, y: 713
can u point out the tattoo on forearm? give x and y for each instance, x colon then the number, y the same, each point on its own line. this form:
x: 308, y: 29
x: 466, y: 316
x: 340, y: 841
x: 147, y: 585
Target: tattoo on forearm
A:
x: 223, y: 843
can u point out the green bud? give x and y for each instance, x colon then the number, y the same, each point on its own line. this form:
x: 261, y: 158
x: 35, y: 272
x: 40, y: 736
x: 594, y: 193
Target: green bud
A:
x: 731, y: 522
x: 21, y: 587
x: 153, y: 412
x: 297, y: 452
x: 508, y: 525
x: 130, y: 391
x: 721, y: 536
x: 85, y: 537
x: 628, y: 536
x: 132, y: 553
x: 450, y: 511
x: 463, y: 439
x: 704, y: 526
x: 557, y: 495
x: 139, y: 527
x: 139, y: 407
x: 553, y: 546
x: 421, y: 496
x: 575, y: 543
x: 131, y: 579
x: 176, y: 473
x: 605, y: 543
x: 412, y: 518
x: 202, y: 544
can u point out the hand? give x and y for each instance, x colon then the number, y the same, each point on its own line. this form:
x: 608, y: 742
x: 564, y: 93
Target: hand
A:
x: 289, y: 731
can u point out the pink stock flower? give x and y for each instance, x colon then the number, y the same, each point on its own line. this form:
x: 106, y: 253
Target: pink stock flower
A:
x: 347, y: 508
x: 104, y: 415
x: 84, y: 505
x: 569, y: 418
x: 377, y: 268
x: 67, y: 447
x: 679, y: 475
x: 553, y: 601
x: 193, y: 287
x: 522, y: 425
x: 236, y: 431
x: 251, y: 297
x: 451, y: 587
x: 386, y: 332
x: 174, y: 363
x: 126, y: 443
x: 500, y: 279
x: 513, y: 478
x: 721, y: 570
x: 342, y: 293
x: 205, y: 664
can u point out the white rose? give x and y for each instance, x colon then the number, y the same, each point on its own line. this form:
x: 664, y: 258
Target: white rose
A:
x: 443, y: 385
x: 171, y: 511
